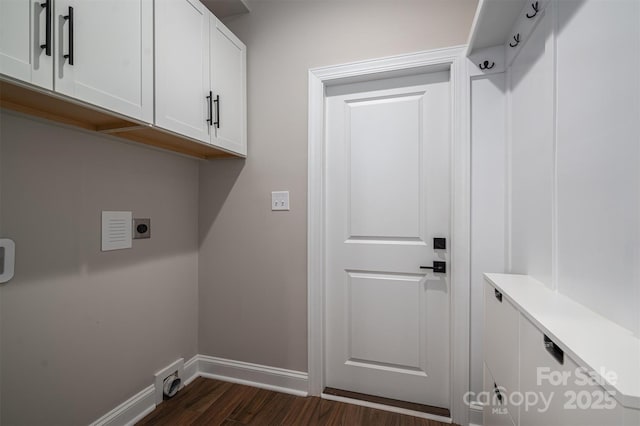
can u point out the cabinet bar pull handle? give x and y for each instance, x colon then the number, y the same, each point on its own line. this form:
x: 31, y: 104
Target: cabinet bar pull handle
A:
x: 210, y: 98
x: 554, y: 350
x: 69, y: 18
x: 498, y: 295
x: 47, y: 43
x: 217, y: 102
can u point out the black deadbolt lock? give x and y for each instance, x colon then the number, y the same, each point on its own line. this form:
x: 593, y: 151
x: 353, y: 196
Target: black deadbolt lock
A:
x: 439, y: 243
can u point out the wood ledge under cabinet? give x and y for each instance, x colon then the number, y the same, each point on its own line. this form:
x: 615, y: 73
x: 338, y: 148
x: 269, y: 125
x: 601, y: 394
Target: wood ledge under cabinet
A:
x: 54, y: 107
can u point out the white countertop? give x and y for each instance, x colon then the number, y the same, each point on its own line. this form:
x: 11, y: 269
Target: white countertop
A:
x: 590, y: 339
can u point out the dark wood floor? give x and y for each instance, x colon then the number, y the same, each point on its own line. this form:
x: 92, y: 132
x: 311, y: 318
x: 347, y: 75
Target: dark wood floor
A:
x: 212, y: 402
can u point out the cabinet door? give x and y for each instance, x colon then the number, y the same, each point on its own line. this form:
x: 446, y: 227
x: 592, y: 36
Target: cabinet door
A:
x: 182, y: 67
x: 22, y: 32
x: 228, y: 83
x: 556, y: 390
x: 111, y: 44
x: 495, y: 411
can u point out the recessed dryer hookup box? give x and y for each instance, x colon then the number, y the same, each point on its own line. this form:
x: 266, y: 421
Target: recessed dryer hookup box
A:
x: 141, y: 228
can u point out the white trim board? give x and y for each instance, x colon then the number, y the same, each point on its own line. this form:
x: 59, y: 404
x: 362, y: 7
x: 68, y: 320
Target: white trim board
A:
x: 259, y: 376
x: 319, y: 78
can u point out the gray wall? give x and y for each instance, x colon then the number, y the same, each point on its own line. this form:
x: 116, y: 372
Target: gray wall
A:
x: 252, y: 274
x: 82, y: 330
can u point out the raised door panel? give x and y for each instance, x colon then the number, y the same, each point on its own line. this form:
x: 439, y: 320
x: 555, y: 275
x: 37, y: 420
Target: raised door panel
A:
x: 22, y: 32
x: 532, y: 155
x: 111, y: 43
x: 182, y: 68
x: 228, y: 84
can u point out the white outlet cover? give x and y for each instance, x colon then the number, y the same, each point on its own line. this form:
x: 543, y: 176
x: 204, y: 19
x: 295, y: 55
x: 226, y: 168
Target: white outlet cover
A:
x: 116, y: 230
x: 280, y: 200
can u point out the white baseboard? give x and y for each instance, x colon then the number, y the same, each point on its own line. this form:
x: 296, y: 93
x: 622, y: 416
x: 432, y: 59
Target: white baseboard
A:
x: 130, y: 411
x: 190, y: 370
x: 260, y: 376
x: 475, y: 414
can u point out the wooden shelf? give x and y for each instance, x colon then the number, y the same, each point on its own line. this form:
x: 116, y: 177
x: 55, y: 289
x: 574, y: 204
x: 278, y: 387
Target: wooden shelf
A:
x: 493, y: 22
x: 51, y: 106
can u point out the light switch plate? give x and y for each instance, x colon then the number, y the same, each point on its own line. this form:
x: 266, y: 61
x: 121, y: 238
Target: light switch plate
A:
x: 280, y: 200
x: 116, y: 230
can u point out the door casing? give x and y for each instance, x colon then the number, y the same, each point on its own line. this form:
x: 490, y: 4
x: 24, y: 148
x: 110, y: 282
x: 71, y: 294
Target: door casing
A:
x: 451, y: 59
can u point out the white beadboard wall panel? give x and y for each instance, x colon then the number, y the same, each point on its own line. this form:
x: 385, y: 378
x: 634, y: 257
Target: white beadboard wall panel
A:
x: 488, y: 163
x: 532, y: 155
x: 598, y: 65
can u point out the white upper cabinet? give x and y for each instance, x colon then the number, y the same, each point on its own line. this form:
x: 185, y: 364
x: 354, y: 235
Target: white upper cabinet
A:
x: 209, y: 103
x: 228, y: 59
x: 23, y: 30
x: 170, y: 67
x: 182, y: 68
x: 104, y: 54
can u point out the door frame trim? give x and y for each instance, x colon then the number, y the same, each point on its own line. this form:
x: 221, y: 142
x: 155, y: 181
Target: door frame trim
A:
x: 451, y: 59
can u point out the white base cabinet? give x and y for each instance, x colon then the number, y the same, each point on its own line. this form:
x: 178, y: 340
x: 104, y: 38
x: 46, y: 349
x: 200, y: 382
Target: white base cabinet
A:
x: 532, y: 377
x: 557, y: 390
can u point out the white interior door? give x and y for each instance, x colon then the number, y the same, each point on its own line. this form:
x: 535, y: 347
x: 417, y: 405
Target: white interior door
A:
x: 387, y: 197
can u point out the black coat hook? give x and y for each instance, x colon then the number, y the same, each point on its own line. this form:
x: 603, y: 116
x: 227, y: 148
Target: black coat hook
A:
x: 485, y: 65
x: 516, y: 38
x: 535, y: 8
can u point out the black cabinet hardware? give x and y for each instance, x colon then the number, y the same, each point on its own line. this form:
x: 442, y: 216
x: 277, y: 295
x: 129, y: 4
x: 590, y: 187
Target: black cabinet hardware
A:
x: 438, y: 266
x: 47, y: 37
x: 439, y: 243
x: 217, y: 102
x: 485, y: 65
x: 535, y: 8
x: 498, y: 295
x: 516, y: 38
x: 210, y: 99
x: 69, y: 18
x: 554, y: 350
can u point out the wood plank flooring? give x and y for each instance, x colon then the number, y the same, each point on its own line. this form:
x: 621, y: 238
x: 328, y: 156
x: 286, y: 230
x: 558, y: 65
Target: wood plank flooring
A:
x: 213, y: 402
